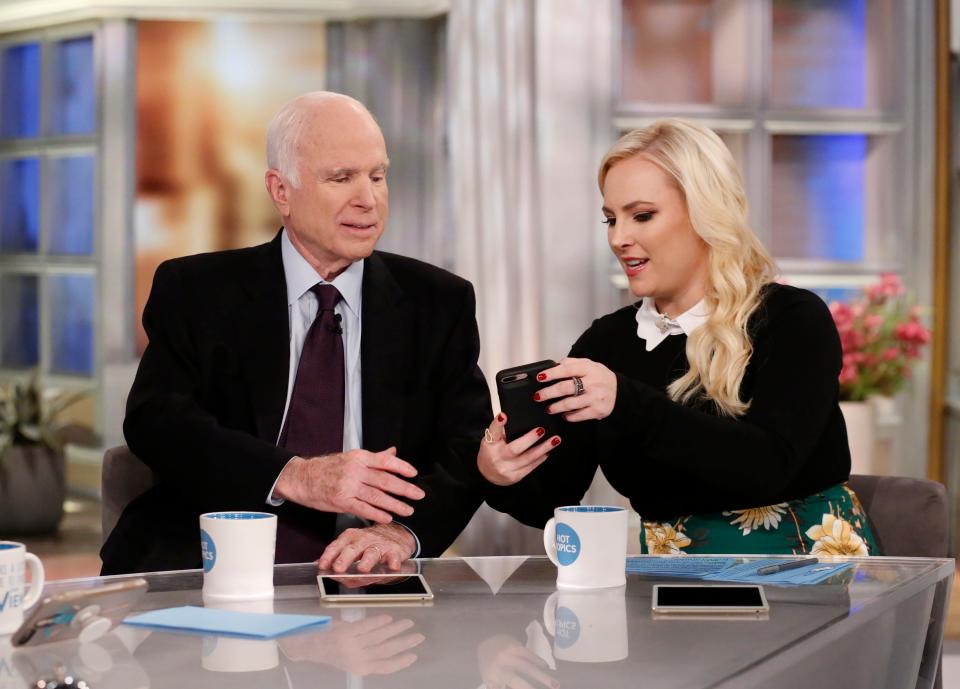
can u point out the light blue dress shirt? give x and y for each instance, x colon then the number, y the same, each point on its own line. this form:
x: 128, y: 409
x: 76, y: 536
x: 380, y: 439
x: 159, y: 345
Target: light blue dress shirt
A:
x: 301, y: 311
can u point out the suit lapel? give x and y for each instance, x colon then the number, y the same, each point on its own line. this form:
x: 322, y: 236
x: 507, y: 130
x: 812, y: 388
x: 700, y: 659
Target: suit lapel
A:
x: 384, y: 355
x: 264, y: 328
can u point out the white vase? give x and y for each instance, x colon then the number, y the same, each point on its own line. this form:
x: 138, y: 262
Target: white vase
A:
x: 859, y: 418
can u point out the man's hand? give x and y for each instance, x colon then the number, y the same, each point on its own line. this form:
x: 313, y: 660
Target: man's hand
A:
x: 356, y: 481
x: 372, y: 646
x: 389, y: 544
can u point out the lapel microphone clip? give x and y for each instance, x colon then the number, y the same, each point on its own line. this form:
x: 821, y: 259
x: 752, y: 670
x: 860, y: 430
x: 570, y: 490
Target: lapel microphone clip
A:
x: 336, y: 328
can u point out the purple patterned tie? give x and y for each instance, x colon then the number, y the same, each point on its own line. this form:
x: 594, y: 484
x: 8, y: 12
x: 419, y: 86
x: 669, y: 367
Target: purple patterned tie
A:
x: 314, y: 425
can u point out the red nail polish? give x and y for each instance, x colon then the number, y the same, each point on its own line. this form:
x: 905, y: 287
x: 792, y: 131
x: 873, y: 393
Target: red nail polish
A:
x: 500, y: 418
x: 536, y: 397
x: 541, y: 377
x: 555, y: 441
x: 540, y: 432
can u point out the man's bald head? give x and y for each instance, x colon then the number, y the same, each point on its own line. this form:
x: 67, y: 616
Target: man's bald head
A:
x: 327, y: 178
x: 313, y: 114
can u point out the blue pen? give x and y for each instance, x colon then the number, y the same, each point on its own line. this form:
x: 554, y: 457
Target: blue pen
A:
x: 784, y: 566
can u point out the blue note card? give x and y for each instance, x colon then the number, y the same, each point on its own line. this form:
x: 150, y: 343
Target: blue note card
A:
x: 248, y: 625
x: 747, y: 573
x: 689, y: 567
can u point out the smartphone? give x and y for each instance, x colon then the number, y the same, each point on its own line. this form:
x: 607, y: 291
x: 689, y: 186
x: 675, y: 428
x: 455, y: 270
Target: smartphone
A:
x: 86, y: 614
x: 709, y: 598
x: 369, y: 588
x: 516, y: 387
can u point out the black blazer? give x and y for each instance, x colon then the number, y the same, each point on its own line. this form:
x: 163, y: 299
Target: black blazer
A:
x: 206, y: 406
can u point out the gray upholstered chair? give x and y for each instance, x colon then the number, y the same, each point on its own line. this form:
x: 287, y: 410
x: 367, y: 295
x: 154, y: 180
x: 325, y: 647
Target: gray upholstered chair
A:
x: 925, y: 533
x: 888, y: 499
x: 123, y: 478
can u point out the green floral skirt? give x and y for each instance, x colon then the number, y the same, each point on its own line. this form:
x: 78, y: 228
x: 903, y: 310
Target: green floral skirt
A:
x: 830, y: 522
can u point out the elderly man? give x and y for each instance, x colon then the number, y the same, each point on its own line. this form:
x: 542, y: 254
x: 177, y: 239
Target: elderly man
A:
x: 311, y: 376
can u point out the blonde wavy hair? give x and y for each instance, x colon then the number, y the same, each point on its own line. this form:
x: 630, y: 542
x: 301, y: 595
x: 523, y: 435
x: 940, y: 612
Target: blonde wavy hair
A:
x: 738, y: 265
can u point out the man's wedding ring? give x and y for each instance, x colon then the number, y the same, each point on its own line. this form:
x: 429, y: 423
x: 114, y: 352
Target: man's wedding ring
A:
x: 577, y: 386
x: 379, y: 551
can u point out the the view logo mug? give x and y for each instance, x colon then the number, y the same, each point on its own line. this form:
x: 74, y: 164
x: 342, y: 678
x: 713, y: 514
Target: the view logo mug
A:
x: 237, y: 550
x: 588, y: 544
x: 13, y: 597
x: 588, y: 626
x: 228, y: 654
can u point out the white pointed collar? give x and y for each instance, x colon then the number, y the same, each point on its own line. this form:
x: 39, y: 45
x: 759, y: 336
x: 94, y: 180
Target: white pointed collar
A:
x: 653, y: 327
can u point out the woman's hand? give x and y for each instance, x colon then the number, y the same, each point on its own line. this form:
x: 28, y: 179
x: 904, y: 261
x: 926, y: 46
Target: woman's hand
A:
x: 596, y: 399
x: 503, y: 463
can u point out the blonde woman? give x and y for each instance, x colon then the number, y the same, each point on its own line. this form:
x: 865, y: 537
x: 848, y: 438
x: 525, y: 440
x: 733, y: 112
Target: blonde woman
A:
x: 712, y: 402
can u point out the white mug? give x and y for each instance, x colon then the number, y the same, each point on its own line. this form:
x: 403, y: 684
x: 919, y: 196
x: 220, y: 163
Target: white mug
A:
x: 229, y: 654
x: 588, y: 544
x: 587, y: 626
x: 238, y: 550
x: 13, y: 598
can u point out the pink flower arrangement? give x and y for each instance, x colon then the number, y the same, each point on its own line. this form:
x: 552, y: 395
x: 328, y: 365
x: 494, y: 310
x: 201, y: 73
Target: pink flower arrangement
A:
x: 881, y: 339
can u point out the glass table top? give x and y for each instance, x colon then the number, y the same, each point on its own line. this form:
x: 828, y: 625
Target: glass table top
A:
x: 501, y: 622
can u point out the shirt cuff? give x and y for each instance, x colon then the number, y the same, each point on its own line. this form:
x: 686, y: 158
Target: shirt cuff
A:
x: 274, y: 501
x: 416, y: 550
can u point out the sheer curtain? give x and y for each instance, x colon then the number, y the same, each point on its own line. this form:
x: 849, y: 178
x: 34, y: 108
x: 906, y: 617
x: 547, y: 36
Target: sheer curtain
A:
x: 493, y: 182
x: 495, y: 119
x: 454, y: 97
x: 529, y: 93
x: 396, y: 68
x: 493, y: 172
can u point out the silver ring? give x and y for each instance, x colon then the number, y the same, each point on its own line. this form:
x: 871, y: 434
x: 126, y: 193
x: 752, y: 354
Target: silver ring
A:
x: 577, y: 386
x: 379, y: 551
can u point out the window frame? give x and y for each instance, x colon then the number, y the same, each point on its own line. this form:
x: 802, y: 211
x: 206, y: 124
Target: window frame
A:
x: 48, y: 147
x: 759, y: 123
x: 909, y: 123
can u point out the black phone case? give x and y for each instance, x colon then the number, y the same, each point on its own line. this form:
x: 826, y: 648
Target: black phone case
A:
x: 516, y: 400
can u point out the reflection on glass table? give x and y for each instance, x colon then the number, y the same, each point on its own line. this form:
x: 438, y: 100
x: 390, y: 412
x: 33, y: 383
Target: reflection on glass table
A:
x: 103, y: 664
x: 502, y: 621
x: 228, y: 654
x: 358, y: 645
x: 505, y: 662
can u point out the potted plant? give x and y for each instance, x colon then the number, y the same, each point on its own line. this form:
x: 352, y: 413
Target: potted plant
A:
x: 32, y: 466
x: 882, y: 337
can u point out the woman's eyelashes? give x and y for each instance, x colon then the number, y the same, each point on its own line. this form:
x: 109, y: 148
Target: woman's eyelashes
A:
x: 642, y: 216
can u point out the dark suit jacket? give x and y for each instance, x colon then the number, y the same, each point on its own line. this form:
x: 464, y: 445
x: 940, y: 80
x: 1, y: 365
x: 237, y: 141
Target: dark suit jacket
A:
x: 207, y: 402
